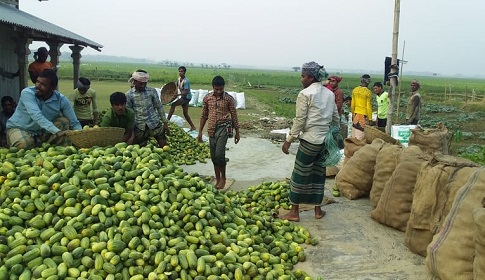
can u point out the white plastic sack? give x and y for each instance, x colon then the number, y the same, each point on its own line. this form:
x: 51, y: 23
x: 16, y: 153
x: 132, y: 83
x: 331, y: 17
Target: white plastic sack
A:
x: 202, y: 94
x: 159, y: 91
x: 240, y: 100
x: 195, y: 98
x: 178, y: 120
x: 233, y: 94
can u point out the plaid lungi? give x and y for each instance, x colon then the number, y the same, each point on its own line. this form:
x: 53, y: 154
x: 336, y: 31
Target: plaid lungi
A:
x: 308, y: 178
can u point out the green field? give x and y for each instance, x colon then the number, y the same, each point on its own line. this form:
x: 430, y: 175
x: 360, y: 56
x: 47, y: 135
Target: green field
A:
x: 271, y: 93
x: 276, y: 89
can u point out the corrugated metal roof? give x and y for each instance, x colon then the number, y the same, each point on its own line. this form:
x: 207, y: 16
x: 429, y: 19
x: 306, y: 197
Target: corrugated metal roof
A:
x: 20, y: 19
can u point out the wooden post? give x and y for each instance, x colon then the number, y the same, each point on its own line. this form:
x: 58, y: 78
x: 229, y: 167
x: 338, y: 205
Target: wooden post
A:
x: 22, y: 50
x: 76, y: 62
x: 54, y: 52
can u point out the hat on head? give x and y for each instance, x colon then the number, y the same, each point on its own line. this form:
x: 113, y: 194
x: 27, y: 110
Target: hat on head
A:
x: 415, y: 82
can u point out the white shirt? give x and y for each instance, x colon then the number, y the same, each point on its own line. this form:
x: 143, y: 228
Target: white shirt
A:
x: 315, y: 111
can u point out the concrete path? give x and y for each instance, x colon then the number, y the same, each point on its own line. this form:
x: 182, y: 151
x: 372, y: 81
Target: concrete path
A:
x: 352, y: 245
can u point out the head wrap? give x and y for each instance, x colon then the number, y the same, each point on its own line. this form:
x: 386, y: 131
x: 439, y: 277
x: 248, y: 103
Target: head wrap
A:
x: 313, y: 69
x: 365, y: 79
x: 336, y: 78
x: 83, y: 83
x: 80, y: 85
x: 139, y: 76
x: 416, y: 82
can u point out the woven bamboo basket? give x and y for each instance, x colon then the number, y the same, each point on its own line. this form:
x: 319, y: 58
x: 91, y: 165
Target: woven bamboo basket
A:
x: 168, y: 93
x: 371, y: 133
x: 99, y: 136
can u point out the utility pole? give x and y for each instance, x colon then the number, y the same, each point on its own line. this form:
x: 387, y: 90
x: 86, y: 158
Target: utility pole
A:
x: 394, y: 65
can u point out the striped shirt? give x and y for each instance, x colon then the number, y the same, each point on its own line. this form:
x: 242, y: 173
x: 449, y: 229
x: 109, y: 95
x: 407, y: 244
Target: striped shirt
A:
x: 147, y: 107
x: 217, y: 110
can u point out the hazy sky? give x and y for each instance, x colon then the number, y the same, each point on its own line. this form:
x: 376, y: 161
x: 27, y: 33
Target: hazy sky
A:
x: 441, y: 36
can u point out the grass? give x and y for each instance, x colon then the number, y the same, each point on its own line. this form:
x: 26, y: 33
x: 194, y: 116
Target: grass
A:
x: 258, y: 101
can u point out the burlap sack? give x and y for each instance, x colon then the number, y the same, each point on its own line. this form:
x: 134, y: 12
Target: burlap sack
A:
x: 331, y: 171
x: 352, y: 145
x: 386, y: 161
x: 479, y: 260
x: 354, y: 180
x: 450, y: 253
x: 394, y: 207
x: 434, y: 193
x: 430, y: 140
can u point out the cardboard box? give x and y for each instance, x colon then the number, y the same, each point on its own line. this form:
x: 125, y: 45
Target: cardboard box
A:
x: 402, y: 133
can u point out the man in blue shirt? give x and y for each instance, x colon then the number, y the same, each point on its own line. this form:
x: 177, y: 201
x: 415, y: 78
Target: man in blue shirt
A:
x: 43, y: 114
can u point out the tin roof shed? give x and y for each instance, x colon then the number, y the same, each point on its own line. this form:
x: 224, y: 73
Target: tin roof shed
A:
x: 18, y: 30
x: 38, y: 29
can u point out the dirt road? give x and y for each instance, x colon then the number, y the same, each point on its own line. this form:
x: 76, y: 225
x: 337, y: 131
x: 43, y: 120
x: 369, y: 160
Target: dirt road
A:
x: 352, y: 245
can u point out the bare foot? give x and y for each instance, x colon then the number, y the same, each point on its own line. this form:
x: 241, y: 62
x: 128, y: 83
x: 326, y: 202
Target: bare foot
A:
x: 291, y: 217
x: 193, y: 128
x: 319, y: 213
x: 221, y: 184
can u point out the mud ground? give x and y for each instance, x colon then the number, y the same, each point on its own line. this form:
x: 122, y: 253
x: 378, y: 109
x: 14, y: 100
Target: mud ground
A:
x: 352, y: 245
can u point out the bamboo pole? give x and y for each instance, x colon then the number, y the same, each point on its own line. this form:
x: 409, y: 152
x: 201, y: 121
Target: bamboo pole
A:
x: 400, y: 82
x: 393, y: 79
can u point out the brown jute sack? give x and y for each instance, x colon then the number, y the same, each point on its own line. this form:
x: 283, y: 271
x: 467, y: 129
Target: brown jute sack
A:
x: 479, y: 260
x: 352, y: 145
x: 434, y: 192
x: 354, y: 180
x: 386, y: 161
x: 450, y: 253
x: 394, y: 207
x: 331, y: 171
x: 430, y: 140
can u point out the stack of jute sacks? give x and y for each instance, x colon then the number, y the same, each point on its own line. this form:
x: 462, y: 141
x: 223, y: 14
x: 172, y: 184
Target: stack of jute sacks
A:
x: 436, y: 199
